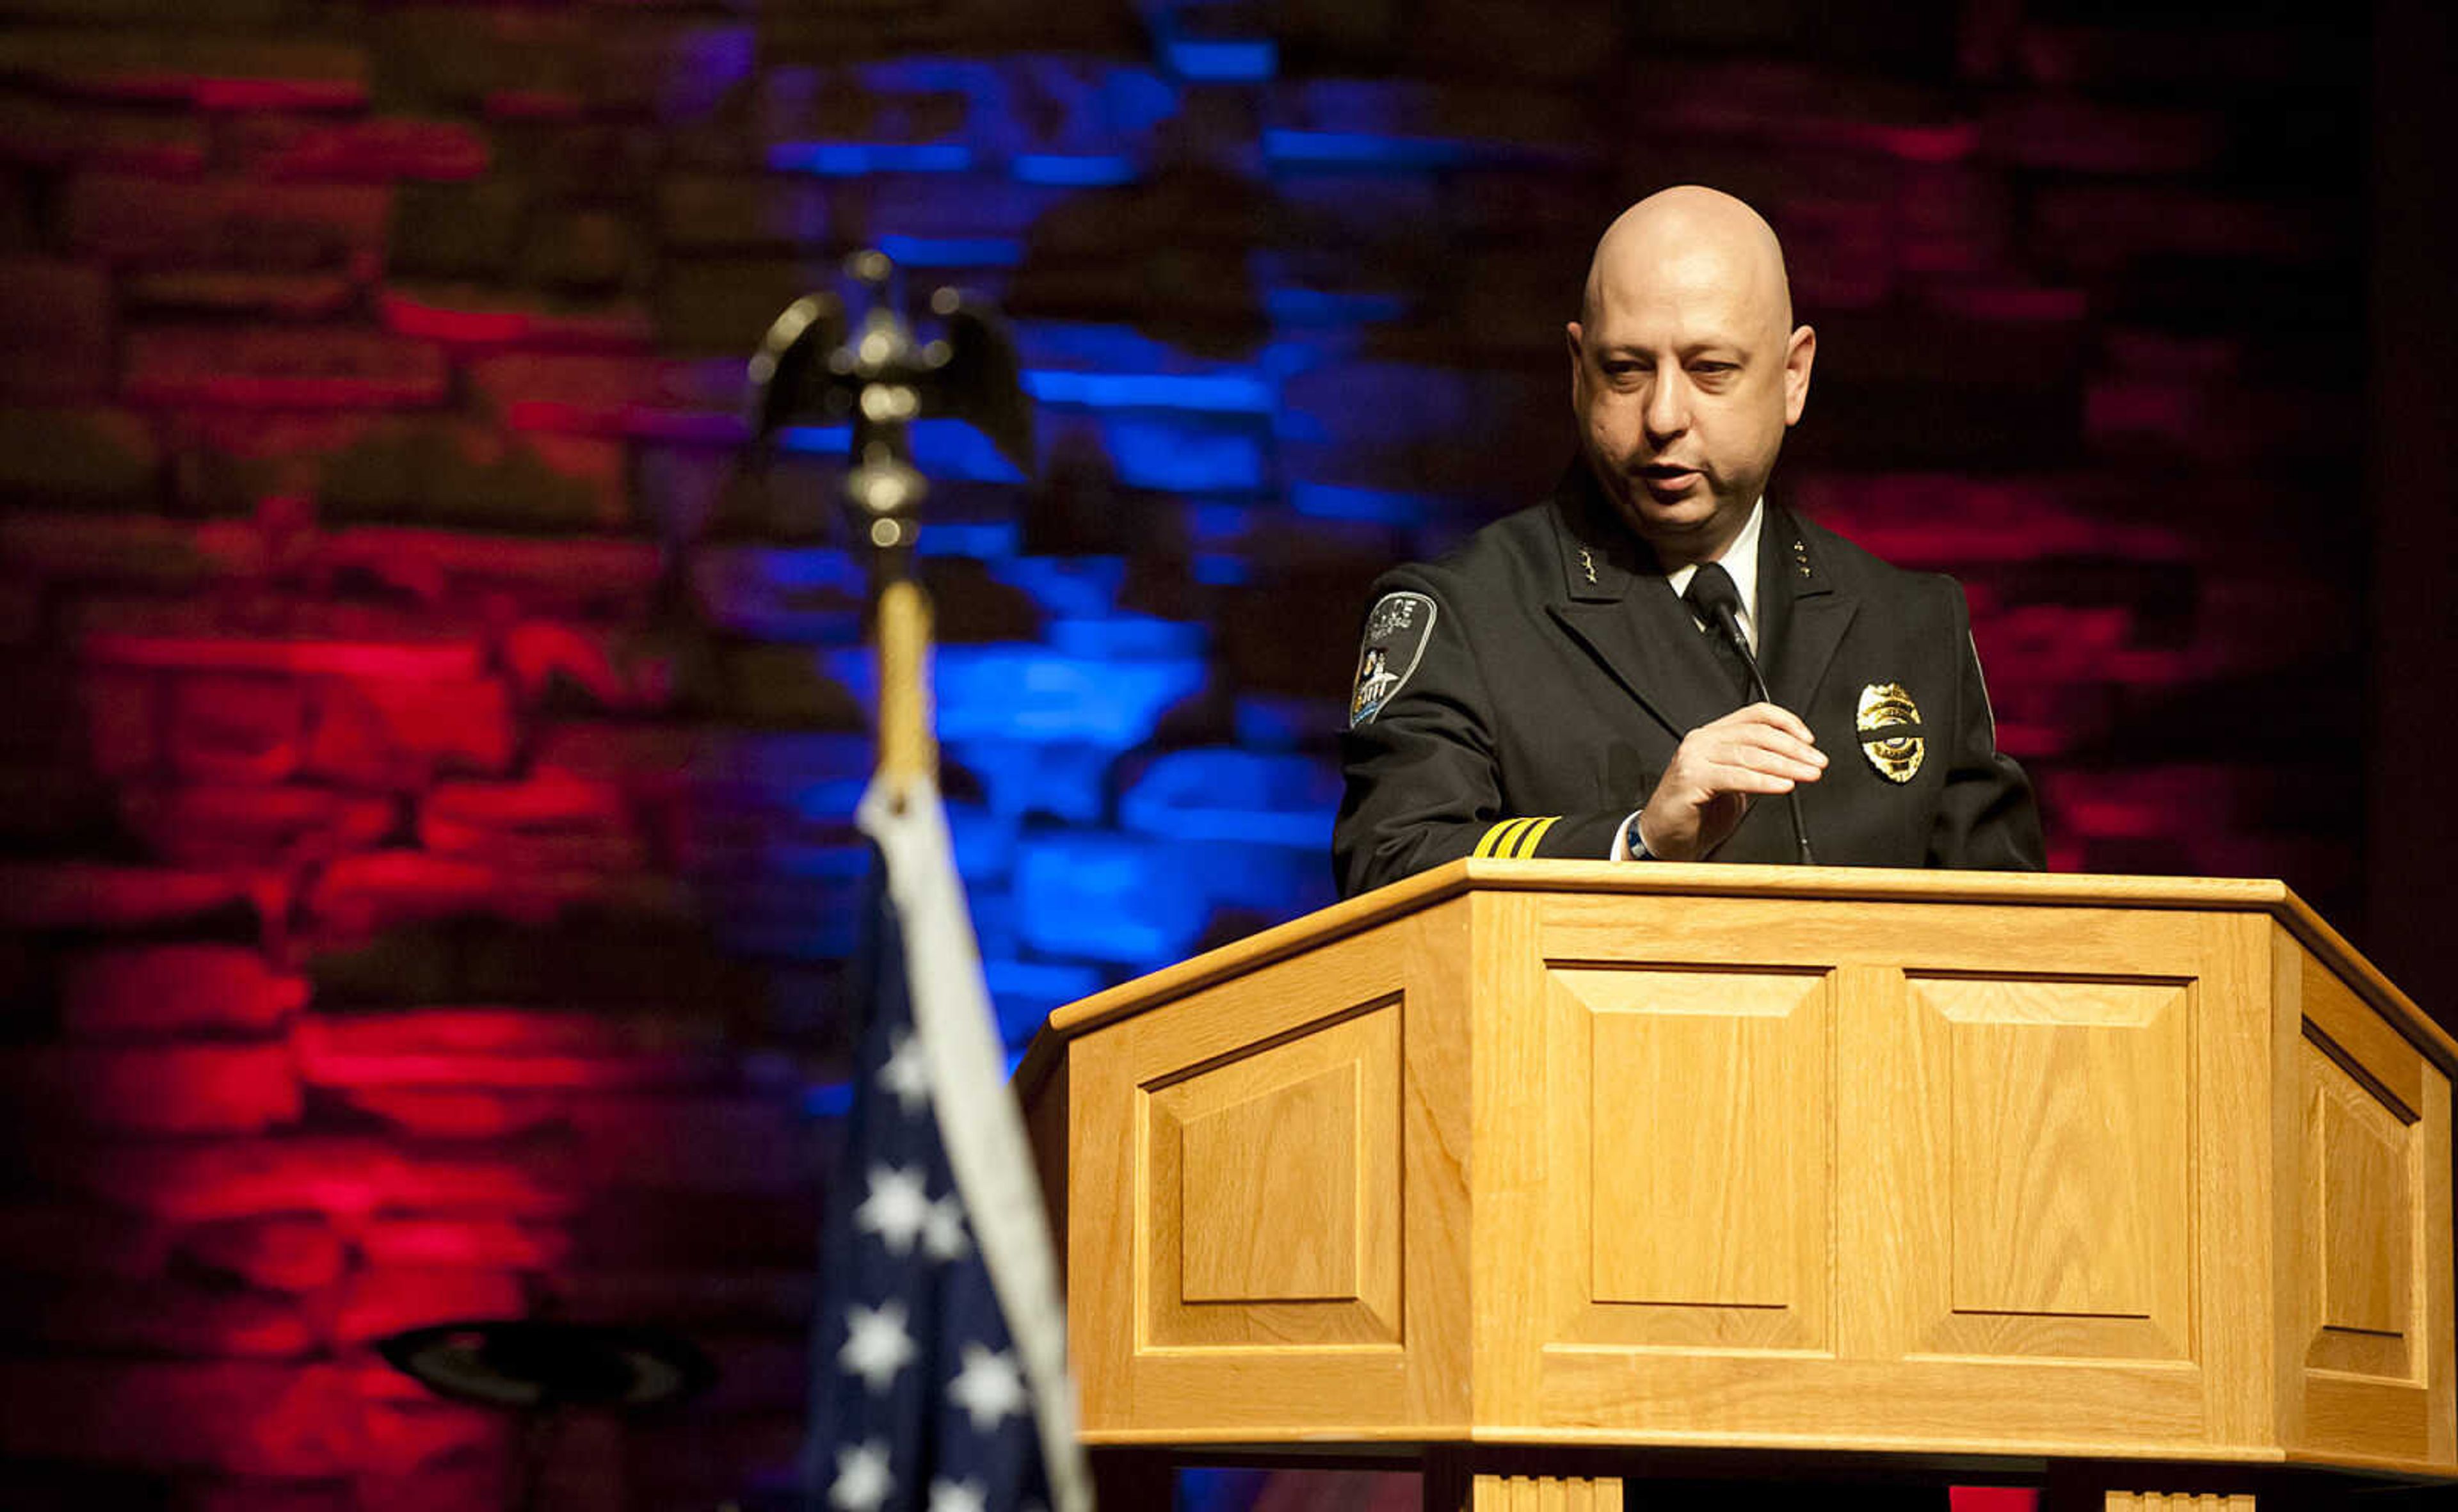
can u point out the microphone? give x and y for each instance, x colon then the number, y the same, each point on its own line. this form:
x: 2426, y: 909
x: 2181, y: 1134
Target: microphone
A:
x: 1714, y: 594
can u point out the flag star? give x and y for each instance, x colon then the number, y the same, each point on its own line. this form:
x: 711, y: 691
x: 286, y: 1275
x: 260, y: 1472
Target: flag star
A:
x: 956, y: 1496
x: 863, y: 1482
x: 907, y: 1074
x: 876, y: 1344
x: 896, y: 1208
x: 943, y: 1232
x: 989, y: 1388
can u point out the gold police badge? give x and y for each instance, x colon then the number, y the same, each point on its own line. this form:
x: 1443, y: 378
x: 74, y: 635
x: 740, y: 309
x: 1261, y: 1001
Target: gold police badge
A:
x: 1889, y: 723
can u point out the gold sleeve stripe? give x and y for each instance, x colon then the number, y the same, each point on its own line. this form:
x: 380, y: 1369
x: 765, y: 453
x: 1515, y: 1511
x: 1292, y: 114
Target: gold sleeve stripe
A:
x: 1497, y: 839
x: 1525, y: 848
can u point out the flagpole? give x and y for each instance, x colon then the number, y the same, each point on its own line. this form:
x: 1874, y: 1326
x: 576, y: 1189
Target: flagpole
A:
x: 885, y: 490
x: 909, y: 752
x: 879, y: 377
x: 972, y: 1269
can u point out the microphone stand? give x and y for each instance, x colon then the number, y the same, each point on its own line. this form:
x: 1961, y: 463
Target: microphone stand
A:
x: 1728, y: 624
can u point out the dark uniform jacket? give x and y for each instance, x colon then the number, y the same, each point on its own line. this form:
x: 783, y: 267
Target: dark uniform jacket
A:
x: 1521, y: 697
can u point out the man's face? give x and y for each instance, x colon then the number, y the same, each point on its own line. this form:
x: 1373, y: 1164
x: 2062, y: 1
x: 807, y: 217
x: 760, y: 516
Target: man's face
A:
x: 1684, y: 380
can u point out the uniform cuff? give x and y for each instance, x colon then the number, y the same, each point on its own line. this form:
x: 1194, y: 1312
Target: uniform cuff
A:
x: 1577, y: 836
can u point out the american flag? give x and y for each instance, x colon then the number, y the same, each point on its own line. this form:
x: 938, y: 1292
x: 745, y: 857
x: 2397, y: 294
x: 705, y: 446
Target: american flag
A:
x: 939, y: 1351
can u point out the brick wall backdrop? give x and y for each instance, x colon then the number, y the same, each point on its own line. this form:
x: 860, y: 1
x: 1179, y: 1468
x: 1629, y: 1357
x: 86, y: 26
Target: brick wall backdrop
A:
x: 427, y: 763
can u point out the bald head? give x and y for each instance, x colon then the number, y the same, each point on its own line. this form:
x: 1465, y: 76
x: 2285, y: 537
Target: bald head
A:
x: 1700, y: 235
x: 1686, y: 369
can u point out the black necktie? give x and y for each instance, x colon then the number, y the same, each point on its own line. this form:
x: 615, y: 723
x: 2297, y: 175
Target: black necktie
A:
x: 1709, y: 587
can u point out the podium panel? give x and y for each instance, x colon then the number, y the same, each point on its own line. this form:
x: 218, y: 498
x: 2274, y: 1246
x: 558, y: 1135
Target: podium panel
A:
x: 2368, y: 1340
x: 1704, y: 1092
x: 1254, y: 1178
x: 1271, y: 1191
x: 1883, y: 1168
x: 2070, y: 1160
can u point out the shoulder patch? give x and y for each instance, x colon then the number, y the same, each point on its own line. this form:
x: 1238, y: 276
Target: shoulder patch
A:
x: 1396, y: 632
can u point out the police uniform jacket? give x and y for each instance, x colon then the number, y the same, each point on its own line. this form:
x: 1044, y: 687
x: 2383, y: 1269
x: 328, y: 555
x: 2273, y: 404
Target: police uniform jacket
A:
x: 1521, y: 696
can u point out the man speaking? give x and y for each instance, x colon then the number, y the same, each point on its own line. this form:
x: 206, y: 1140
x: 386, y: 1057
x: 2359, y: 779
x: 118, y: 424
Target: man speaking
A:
x: 1657, y: 663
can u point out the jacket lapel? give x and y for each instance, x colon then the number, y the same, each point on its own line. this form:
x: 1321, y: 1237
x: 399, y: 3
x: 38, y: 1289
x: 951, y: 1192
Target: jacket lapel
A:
x: 1804, y: 614
x: 1615, y: 603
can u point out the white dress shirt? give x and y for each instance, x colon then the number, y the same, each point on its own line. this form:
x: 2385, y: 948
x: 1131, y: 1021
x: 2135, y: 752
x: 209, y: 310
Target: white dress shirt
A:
x: 1741, y: 561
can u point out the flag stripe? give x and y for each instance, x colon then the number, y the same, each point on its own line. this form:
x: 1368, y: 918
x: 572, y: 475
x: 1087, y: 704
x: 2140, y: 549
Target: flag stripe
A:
x: 936, y: 1265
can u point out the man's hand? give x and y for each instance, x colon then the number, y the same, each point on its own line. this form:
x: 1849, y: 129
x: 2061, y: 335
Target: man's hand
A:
x: 1717, y: 770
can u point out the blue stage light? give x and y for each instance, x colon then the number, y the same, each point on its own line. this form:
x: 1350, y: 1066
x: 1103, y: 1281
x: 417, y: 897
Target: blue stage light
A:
x: 1094, y: 346
x: 1215, y: 794
x: 1319, y: 500
x: 981, y: 540
x: 1129, y: 637
x: 1060, y: 779
x: 1221, y: 62
x: 984, y: 842
x: 1026, y: 991
x: 1075, y: 586
x: 1223, y: 393
x: 1283, y: 721
x: 1269, y: 881
x: 856, y: 159
x: 942, y: 449
x: 953, y: 252
x: 1132, y: 900
x: 1217, y: 525
x: 1295, y: 306
x: 1027, y: 692
x: 1074, y: 169
x: 784, y: 758
x: 802, y: 566
x: 1176, y: 457
x: 1285, y: 148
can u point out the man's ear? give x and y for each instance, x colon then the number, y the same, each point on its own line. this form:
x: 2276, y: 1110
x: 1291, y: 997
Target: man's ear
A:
x: 1574, y: 339
x: 1797, y: 355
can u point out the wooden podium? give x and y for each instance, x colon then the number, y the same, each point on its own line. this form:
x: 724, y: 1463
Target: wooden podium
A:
x: 1543, y: 1174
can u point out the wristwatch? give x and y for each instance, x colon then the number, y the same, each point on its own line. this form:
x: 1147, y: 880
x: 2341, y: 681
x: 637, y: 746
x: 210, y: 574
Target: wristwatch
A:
x: 1635, y: 842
